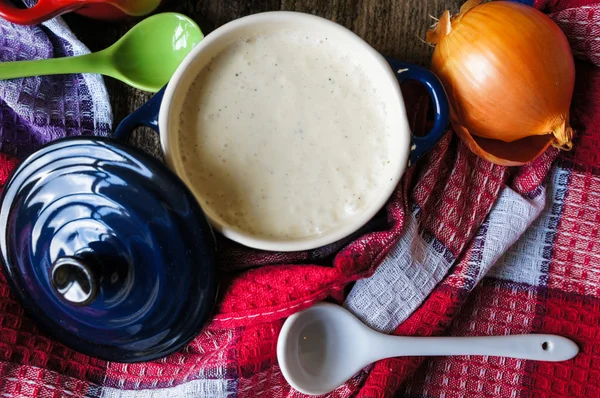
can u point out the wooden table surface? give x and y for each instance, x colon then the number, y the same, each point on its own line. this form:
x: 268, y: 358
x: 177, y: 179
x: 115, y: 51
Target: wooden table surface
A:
x: 393, y: 27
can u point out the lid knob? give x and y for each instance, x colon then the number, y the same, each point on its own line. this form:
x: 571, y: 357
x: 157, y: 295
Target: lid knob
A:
x: 75, y: 280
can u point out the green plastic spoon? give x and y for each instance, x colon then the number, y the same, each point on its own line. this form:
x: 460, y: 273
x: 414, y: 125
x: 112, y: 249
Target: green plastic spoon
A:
x: 145, y: 57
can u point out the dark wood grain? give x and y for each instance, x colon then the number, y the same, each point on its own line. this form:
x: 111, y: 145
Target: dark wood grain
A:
x: 393, y: 27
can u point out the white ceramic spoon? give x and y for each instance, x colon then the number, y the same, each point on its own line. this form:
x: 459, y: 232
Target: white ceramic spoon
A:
x: 322, y: 347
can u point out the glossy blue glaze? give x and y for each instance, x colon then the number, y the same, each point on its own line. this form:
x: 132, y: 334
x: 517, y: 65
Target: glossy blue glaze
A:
x: 99, y: 198
x: 146, y: 115
x: 421, y: 145
x: 527, y: 2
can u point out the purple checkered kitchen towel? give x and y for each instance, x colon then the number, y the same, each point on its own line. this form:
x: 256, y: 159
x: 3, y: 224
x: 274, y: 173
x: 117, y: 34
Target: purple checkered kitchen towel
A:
x: 37, y: 110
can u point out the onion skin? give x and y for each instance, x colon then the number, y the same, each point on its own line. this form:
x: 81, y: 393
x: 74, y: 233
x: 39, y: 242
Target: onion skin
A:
x: 509, y: 73
x: 516, y: 153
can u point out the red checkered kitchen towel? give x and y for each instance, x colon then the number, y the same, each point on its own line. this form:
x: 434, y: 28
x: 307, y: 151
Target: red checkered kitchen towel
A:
x: 463, y: 247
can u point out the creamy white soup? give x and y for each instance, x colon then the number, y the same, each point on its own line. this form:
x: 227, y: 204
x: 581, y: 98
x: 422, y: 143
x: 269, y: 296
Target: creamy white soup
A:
x: 284, y: 136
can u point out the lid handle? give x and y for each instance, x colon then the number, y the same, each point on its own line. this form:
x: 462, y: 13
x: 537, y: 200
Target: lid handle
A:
x: 75, y: 280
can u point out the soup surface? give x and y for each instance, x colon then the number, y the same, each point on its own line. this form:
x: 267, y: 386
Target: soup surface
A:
x: 285, y: 136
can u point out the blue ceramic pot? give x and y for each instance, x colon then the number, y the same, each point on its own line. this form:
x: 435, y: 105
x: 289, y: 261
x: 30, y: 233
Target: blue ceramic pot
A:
x: 163, y: 114
x: 107, y: 249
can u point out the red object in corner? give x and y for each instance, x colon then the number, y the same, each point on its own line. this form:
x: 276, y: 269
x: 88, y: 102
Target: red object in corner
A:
x: 47, y: 9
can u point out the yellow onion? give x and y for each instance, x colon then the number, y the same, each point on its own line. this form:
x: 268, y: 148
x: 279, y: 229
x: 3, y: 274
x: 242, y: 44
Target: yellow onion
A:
x: 509, y: 74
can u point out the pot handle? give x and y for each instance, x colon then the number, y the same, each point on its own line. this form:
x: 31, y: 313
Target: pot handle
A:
x: 75, y: 280
x: 421, y: 145
x: 42, y: 11
x: 146, y: 115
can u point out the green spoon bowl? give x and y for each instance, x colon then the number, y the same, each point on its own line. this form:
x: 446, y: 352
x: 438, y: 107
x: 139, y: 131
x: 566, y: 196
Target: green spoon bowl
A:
x: 145, y: 57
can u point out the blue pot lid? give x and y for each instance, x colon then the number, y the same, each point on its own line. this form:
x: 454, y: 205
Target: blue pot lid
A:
x: 107, y: 249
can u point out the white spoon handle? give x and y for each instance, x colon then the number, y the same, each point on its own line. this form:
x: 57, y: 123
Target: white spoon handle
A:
x: 540, y: 347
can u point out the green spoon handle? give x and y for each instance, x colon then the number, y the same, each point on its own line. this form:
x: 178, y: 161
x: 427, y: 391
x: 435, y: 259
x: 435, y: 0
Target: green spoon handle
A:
x: 88, y: 63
